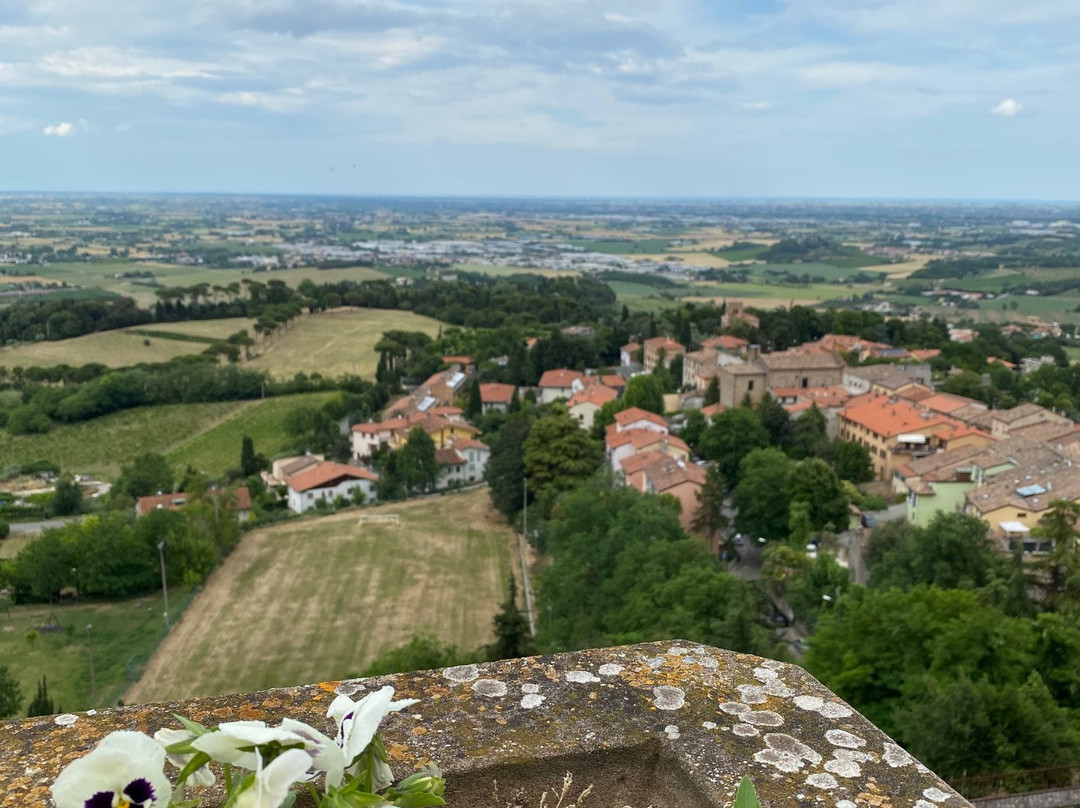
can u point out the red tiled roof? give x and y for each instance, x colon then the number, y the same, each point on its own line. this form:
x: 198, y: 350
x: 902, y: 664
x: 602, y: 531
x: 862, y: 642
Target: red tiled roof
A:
x: 240, y: 499
x: 640, y: 438
x: 325, y: 473
x: 559, y: 378
x: 888, y: 417
x: 667, y: 343
x: 613, y: 380
x: 712, y: 410
x: 596, y: 394
x: 497, y: 393
x: 632, y: 414
x: 460, y: 360
x: 725, y: 341
x: 449, y: 457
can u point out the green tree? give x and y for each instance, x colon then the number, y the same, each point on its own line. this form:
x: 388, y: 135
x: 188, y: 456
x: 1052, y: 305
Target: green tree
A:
x: 808, y: 435
x: 558, y: 455
x: 712, y: 392
x: 732, y: 435
x: 852, y: 461
x: 952, y: 552
x: 42, y: 703
x: 5, y: 529
x: 149, y: 473
x: 965, y: 383
x: 419, y: 467
x: 1058, y: 525
x: 474, y: 406
x: 67, y: 497
x: 250, y: 463
x: 775, y: 419
x: 10, y: 693
x: 814, y: 482
x: 693, y: 428
x: 506, y: 465
x: 761, y: 497
x: 645, y: 391
x: 709, y: 518
x: 420, y: 653
x: 511, y: 626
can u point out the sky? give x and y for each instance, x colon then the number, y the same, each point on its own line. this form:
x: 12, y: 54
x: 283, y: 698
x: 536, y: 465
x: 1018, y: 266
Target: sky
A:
x: 948, y: 99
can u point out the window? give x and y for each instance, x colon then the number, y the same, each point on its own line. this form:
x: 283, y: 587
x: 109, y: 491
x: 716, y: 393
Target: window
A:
x: 310, y: 495
x: 1021, y: 516
x: 805, y: 382
x: 750, y: 385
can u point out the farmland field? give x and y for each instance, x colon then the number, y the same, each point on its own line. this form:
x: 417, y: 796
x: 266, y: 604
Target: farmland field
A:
x: 113, y: 348
x: 123, y: 635
x: 319, y: 599
x: 336, y: 343
x: 102, y: 445
x: 217, y: 448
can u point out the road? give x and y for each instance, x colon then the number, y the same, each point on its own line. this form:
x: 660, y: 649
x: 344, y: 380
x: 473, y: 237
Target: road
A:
x: 33, y: 528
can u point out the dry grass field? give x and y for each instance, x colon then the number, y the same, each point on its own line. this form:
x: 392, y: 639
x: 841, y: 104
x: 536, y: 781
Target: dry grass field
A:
x: 211, y: 329
x: 342, y: 341
x: 112, y: 348
x: 319, y: 599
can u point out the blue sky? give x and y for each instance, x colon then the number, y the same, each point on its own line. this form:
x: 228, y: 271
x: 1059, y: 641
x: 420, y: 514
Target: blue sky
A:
x: 972, y: 99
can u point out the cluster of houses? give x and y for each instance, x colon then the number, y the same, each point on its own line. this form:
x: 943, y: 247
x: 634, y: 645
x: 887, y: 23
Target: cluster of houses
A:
x: 943, y: 452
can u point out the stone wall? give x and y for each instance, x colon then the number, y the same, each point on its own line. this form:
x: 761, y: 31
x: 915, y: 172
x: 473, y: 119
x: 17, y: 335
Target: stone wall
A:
x: 670, y: 725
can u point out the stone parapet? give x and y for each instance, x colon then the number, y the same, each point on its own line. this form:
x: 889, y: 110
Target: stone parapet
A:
x: 668, y: 725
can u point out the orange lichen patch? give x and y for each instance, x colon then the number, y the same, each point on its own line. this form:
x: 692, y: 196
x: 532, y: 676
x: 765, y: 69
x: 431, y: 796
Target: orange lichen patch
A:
x: 329, y: 687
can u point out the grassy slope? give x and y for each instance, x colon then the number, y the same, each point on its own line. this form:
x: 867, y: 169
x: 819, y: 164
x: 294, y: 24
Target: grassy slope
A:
x: 218, y: 448
x: 337, y: 343
x: 123, y: 635
x: 100, y: 446
x: 317, y: 600
x: 205, y: 435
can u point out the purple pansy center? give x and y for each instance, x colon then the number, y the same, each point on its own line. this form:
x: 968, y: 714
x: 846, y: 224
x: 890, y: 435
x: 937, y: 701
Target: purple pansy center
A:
x: 103, y: 799
x: 139, y: 792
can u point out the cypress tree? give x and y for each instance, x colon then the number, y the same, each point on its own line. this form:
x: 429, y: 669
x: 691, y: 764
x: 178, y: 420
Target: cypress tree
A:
x: 42, y: 703
x: 512, y: 637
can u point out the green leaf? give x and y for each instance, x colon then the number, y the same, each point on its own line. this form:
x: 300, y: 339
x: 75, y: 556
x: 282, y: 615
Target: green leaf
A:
x: 198, y: 760
x: 746, y: 797
x: 290, y: 798
x: 418, y: 799
x: 192, y: 726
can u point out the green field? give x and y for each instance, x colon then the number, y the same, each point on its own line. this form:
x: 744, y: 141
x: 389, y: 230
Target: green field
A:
x: 100, y: 446
x: 10, y: 547
x: 741, y: 253
x: 200, y: 434
x: 651, y: 246
x: 319, y: 599
x: 217, y: 449
x: 112, y: 348
x: 336, y: 343
x: 122, y: 636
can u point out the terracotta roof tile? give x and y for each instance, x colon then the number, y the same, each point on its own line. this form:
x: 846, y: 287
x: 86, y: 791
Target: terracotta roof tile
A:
x: 497, y: 393
x: 326, y: 473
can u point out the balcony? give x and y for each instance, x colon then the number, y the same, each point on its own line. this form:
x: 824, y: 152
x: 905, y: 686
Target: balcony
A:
x: 672, y: 725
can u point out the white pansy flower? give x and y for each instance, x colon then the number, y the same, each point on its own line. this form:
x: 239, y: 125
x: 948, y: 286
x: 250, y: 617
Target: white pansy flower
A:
x: 125, y: 769
x: 273, y: 781
x: 325, y: 754
x: 236, y: 742
x: 202, y: 776
x: 359, y: 721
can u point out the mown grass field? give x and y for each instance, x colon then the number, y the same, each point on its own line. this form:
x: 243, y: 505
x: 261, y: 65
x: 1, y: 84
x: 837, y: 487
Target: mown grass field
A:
x: 336, y: 343
x: 205, y: 435
x: 217, y: 448
x: 211, y: 329
x: 123, y: 634
x: 318, y: 600
x: 112, y: 348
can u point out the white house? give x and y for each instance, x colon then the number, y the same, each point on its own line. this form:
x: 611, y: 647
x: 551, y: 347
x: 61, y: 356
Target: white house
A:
x: 637, y: 418
x: 556, y: 384
x: 328, y: 481
x: 462, y: 463
x: 496, y: 397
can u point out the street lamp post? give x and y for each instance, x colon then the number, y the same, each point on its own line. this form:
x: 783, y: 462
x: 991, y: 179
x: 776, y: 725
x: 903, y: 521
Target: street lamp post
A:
x: 164, y: 585
x: 90, y: 650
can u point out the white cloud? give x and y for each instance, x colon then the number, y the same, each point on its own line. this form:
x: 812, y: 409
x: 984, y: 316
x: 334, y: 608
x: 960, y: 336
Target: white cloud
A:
x: 757, y: 106
x: 62, y: 129
x: 290, y: 100
x: 1009, y: 108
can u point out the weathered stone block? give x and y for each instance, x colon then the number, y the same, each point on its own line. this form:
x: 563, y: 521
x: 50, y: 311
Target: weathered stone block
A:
x: 672, y: 725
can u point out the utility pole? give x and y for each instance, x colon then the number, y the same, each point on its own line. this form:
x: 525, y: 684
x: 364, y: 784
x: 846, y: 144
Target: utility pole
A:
x: 164, y: 586
x: 90, y: 650
x: 521, y: 551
